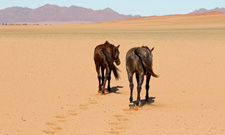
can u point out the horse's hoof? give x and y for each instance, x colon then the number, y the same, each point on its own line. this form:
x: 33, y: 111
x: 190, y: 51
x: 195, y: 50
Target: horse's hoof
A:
x: 108, y: 90
x: 139, y: 103
x: 131, y: 105
x: 99, y: 91
x: 103, y: 91
x: 146, y: 99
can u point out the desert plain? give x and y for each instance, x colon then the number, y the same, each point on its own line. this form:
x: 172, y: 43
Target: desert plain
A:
x: 48, y: 82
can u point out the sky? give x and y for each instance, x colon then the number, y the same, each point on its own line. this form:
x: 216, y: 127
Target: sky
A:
x: 128, y: 7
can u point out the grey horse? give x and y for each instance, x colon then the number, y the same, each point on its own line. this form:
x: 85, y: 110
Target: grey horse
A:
x: 139, y: 61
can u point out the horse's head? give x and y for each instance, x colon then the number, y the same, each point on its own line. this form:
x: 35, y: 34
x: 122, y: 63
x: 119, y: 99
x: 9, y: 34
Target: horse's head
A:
x: 116, y: 54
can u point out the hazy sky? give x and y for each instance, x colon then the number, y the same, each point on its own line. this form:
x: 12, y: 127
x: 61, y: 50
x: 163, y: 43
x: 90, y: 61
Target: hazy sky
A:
x: 133, y: 7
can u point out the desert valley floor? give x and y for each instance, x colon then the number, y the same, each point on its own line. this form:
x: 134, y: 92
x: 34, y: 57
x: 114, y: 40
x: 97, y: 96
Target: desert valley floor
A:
x: 48, y: 82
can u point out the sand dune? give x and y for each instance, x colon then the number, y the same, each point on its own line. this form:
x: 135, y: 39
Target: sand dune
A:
x: 48, y: 82
x: 187, y: 21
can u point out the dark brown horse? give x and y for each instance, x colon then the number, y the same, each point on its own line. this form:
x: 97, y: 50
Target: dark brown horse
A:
x: 105, y: 55
x: 139, y: 61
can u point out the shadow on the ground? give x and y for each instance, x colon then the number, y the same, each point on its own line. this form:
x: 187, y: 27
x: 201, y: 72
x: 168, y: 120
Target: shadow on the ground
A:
x: 144, y: 102
x: 115, y: 90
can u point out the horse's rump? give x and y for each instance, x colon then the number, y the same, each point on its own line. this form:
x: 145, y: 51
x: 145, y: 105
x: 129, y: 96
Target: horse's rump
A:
x: 101, y: 53
x: 146, y: 61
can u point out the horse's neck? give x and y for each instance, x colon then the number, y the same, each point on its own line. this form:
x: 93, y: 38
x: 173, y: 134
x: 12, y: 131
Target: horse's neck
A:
x: 108, y: 47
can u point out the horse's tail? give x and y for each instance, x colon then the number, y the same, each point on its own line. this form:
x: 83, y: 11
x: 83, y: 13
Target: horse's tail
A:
x: 111, y: 64
x: 147, y: 63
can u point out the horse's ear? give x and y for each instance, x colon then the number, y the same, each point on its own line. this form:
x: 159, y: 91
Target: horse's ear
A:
x: 106, y: 42
x: 118, y: 46
x: 152, y: 49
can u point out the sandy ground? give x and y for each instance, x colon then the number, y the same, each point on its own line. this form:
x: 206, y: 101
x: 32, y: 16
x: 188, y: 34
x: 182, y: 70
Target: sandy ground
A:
x: 48, y: 82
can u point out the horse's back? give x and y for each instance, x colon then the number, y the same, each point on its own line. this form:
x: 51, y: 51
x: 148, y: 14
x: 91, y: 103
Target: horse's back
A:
x: 133, y: 62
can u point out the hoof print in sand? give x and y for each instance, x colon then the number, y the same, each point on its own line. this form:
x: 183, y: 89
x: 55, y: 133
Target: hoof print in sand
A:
x: 50, y: 124
x: 83, y: 107
x: 92, y: 101
x: 120, y: 128
x: 114, y: 132
x: 118, y: 116
x: 113, y: 124
x: 56, y: 128
x: 131, y: 109
x: 122, y: 119
x: 62, y: 120
x: 129, y: 113
x: 48, y: 132
x: 72, y: 114
x: 59, y: 117
x: 71, y: 111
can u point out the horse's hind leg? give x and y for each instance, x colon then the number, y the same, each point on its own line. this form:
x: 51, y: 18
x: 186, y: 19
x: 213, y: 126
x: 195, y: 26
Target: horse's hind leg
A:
x: 105, y: 79
x: 130, y: 78
x: 99, y: 77
x: 140, y: 79
x: 147, y: 87
x: 103, y: 76
x: 109, y: 79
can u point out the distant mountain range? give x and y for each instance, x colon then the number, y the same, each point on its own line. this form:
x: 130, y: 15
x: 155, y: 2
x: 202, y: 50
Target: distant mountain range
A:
x: 203, y: 10
x: 73, y: 14
x: 54, y: 13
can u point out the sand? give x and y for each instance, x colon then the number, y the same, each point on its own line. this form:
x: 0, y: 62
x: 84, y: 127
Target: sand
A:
x: 48, y: 82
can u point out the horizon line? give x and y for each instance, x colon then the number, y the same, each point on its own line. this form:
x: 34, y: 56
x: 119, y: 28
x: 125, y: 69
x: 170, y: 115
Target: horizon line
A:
x: 107, y: 8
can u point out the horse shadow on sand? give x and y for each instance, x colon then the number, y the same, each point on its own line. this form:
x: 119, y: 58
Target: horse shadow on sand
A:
x: 144, y: 102
x: 115, y: 90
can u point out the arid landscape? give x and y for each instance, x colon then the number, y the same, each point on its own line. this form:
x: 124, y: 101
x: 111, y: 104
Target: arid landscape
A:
x: 49, y: 86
